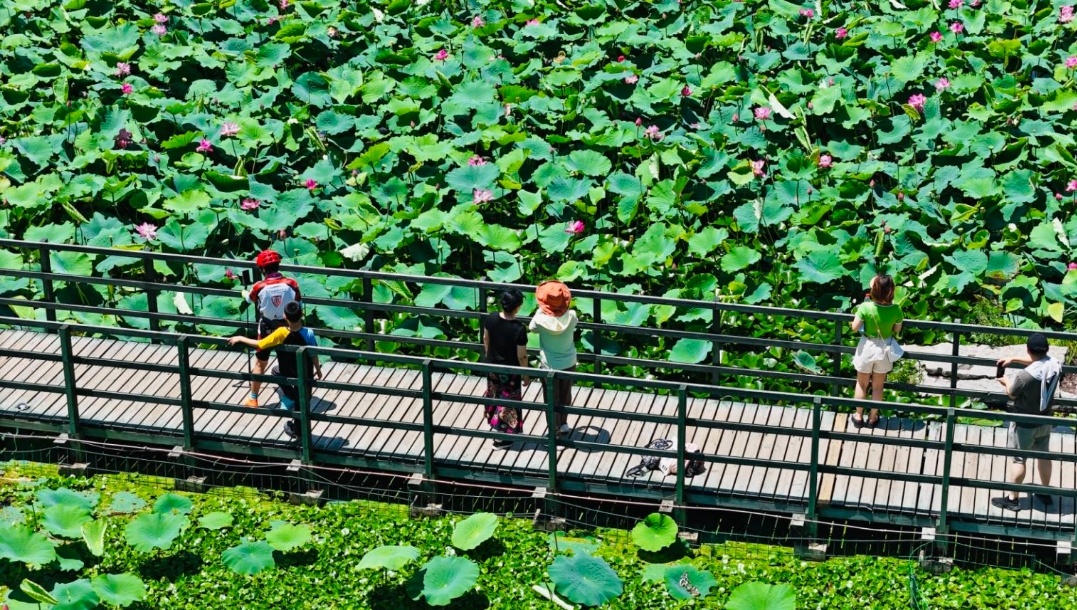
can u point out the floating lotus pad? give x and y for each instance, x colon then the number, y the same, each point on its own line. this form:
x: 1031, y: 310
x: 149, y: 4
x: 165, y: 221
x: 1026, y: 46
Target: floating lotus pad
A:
x: 762, y: 596
x: 119, y: 589
x: 154, y: 531
x: 685, y: 581
x: 655, y: 532
x: 585, y: 579
x: 249, y: 558
x: 447, y: 578
x: 216, y: 521
x: 390, y: 557
x: 284, y: 536
x: 25, y: 546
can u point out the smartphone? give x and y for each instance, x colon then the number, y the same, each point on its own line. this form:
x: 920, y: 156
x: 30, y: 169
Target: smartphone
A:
x: 1000, y: 371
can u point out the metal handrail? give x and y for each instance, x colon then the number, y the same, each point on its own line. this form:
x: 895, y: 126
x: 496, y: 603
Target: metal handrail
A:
x: 597, y: 327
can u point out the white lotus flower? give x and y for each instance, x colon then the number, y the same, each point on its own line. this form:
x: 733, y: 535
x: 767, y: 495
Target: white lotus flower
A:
x: 378, y: 15
x: 355, y: 252
x: 180, y: 302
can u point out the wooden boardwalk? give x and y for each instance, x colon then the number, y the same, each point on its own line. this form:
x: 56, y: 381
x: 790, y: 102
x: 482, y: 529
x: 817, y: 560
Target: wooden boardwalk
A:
x: 883, y: 499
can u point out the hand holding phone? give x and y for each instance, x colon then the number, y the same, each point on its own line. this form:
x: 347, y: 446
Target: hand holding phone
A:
x: 1000, y: 371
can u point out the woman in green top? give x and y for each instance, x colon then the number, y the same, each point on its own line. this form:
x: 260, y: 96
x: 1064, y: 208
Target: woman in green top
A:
x: 877, y: 320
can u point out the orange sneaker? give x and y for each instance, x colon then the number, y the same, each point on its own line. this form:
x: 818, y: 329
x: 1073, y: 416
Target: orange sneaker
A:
x: 250, y: 402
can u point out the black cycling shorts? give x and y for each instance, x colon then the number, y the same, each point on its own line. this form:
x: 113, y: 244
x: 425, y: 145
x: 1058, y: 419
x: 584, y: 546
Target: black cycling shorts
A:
x: 266, y: 328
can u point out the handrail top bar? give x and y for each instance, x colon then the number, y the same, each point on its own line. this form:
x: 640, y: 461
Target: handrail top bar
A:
x: 713, y: 305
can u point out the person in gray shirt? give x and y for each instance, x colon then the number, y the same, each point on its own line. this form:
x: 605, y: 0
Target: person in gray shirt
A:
x: 1032, y: 391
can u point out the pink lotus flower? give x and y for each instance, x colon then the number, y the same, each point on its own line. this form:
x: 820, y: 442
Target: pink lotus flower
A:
x: 917, y: 101
x: 936, y: 37
x: 639, y: 121
x: 841, y: 33
x: 146, y: 231
x: 1058, y: 196
x: 283, y: 4
x: 126, y: 88
x: 160, y: 18
x: 532, y: 22
x: 942, y: 84
x: 476, y: 160
x: 1065, y: 14
x: 736, y: 118
x: 653, y: 133
x: 620, y: 58
x: 631, y: 79
x: 1072, y: 266
x: 807, y: 13
x: 480, y: 196
x: 441, y: 55
x: 310, y: 184
x: 249, y: 204
x: 825, y: 161
x: 758, y: 167
x: 477, y: 22
x: 956, y: 4
x: 228, y: 274
x: 762, y: 113
x: 1071, y: 62
x: 686, y: 91
x: 229, y: 129
x: 159, y: 29
x: 122, y: 68
x: 575, y: 227
x: 1072, y: 186
x: 204, y: 146
x: 956, y: 27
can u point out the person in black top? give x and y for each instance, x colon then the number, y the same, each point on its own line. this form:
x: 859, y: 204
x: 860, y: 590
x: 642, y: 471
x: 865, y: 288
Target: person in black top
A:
x: 505, y: 340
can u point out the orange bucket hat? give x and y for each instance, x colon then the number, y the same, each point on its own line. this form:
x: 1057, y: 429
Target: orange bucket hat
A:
x: 553, y: 298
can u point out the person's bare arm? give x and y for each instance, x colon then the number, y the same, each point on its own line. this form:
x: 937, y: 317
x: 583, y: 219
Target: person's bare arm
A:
x: 317, y: 366
x: 857, y: 324
x: 1022, y: 360
x: 486, y: 342
x: 1005, y: 381
x: 896, y: 330
x: 252, y: 343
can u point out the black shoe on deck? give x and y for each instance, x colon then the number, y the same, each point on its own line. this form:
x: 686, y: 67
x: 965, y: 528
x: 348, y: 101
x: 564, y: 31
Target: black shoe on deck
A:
x: 1044, y: 499
x: 289, y: 429
x: 1006, y: 503
x: 502, y: 444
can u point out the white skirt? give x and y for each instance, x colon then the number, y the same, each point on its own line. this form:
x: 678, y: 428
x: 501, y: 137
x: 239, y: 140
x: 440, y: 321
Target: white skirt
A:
x: 871, y: 356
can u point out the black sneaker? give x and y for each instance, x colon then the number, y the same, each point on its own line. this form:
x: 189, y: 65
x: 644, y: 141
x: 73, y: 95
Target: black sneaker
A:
x: 1044, y: 499
x: 502, y: 444
x: 1006, y: 503
x: 289, y: 429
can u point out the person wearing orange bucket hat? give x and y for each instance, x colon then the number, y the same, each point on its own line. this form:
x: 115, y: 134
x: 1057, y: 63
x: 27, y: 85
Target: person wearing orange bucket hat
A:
x: 555, y: 323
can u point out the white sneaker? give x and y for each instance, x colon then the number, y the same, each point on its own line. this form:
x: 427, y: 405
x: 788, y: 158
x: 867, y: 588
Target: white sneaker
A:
x: 565, y: 429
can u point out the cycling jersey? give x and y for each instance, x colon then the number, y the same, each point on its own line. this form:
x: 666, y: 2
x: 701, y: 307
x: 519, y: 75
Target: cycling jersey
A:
x: 272, y: 294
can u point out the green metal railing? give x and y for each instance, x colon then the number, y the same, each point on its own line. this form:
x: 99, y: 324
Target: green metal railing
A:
x: 684, y: 493
x: 589, y: 303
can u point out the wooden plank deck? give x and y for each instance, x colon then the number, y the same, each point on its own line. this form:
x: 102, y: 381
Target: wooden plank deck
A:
x: 529, y: 460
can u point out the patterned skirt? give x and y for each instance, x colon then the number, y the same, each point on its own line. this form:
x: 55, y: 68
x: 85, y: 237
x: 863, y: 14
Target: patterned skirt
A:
x: 504, y: 419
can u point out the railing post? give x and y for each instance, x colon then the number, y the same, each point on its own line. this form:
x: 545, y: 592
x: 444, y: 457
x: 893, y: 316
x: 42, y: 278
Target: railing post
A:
x: 953, y: 366
x: 304, y: 403
x: 596, y: 336
x: 551, y: 424
x: 428, y: 420
x: 482, y: 300
x: 813, y: 470
x: 70, y: 389
x: 46, y: 283
x: 186, y: 406
x: 682, y: 439
x: 839, y: 325
x: 947, y: 461
x: 716, y: 346
x: 151, y: 296
x: 368, y: 314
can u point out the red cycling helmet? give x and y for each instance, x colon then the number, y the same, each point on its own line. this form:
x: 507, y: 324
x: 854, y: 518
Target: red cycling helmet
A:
x: 266, y: 258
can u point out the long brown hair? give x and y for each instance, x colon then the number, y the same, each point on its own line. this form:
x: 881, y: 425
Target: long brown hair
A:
x: 882, y: 289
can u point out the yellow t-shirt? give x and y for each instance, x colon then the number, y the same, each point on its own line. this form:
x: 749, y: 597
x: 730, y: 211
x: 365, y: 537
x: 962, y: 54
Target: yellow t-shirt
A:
x: 274, y: 338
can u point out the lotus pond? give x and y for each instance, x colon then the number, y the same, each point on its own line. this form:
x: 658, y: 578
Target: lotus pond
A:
x: 129, y: 541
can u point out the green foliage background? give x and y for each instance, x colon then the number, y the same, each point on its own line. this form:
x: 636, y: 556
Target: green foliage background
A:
x: 324, y: 573
x: 366, y: 133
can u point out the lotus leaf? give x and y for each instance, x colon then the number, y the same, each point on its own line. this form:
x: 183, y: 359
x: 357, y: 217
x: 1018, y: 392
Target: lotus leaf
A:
x: 125, y: 502
x: 249, y: 557
x: 65, y: 520
x: 684, y: 581
x: 388, y: 558
x: 584, y: 579
x: 77, y: 595
x: 447, y: 578
x: 473, y: 531
x: 762, y: 596
x: 655, y: 532
x: 93, y: 534
x: 22, y: 545
x: 173, y: 503
x: 690, y: 351
x: 154, y: 531
x: 53, y: 497
x: 285, y: 537
x: 119, y: 589
x: 216, y: 520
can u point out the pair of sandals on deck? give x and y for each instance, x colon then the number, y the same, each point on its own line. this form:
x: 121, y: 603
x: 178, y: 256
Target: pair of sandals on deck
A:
x: 858, y: 422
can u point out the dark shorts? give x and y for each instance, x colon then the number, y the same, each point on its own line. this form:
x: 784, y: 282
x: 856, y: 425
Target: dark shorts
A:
x: 266, y: 328
x: 1036, y: 439
x: 562, y: 391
